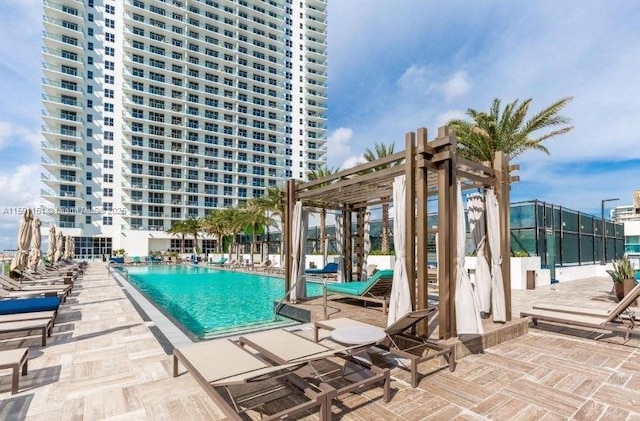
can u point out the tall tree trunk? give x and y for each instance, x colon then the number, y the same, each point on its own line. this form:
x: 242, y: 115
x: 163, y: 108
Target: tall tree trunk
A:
x: 323, y: 234
x: 384, y: 241
x: 182, y: 243
x: 254, y: 244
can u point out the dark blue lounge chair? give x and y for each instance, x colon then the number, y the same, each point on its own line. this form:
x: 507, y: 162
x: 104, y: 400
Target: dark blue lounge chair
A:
x: 329, y: 269
x: 29, y: 305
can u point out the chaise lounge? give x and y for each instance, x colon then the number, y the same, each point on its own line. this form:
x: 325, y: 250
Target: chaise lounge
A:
x: 329, y: 269
x: 221, y: 367
x: 29, y: 305
x: 376, y: 289
x: 400, y: 341
x: 618, y: 319
x: 285, y: 347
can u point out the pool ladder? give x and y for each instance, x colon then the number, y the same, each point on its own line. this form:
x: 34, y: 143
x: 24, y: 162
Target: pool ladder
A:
x: 280, y: 304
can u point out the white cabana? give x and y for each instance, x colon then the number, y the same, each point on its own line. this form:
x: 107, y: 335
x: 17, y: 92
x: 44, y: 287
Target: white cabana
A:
x: 400, y: 300
x: 21, y: 258
x: 51, y: 251
x: 468, y: 319
x: 298, y: 249
x: 493, y: 230
x: 477, y: 226
x: 339, y: 237
x: 36, y: 243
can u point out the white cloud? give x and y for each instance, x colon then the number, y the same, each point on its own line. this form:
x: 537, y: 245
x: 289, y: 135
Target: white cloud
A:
x: 339, y: 145
x: 352, y: 161
x: 11, y: 134
x: 457, y: 85
x: 447, y: 116
x: 20, y: 189
x: 416, y: 79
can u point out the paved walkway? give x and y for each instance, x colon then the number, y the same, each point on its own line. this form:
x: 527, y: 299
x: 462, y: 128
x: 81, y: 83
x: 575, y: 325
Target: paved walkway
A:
x: 103, y: 362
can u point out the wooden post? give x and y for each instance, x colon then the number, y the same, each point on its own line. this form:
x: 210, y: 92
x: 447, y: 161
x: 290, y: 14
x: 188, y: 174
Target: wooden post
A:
x: 501, y: 166
x: 421, y: 234
x: 410, y: 215
x: 446, y: 241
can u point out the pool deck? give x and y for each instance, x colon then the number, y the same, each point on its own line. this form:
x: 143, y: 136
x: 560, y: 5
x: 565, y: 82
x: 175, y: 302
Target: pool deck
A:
x: 104, y: 362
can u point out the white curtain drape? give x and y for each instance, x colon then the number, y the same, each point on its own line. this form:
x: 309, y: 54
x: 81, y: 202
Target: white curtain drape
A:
x: 468, y: 320
x: 367, y: 243
x: 493, y: 230
x: 21, y: 258
x: 400, y: 300
x: 477, y: 226
x: 339, y: 237
x: 296, y: 241
x: 36, y: 243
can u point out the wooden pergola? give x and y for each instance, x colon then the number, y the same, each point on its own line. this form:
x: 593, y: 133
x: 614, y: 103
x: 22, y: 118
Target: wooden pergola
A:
x: 432, y: 169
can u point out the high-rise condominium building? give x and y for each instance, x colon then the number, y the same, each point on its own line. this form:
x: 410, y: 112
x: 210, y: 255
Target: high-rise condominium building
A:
x: 160, y: 110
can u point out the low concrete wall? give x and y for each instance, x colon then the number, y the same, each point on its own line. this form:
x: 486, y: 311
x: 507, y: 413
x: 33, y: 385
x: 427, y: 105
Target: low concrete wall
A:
x: 571, y: 273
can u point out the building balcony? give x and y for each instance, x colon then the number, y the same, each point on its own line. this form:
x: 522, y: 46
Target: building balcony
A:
x: 53, y: 166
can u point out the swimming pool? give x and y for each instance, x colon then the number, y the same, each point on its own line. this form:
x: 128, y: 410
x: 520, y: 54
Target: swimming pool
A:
x: 209, y: 301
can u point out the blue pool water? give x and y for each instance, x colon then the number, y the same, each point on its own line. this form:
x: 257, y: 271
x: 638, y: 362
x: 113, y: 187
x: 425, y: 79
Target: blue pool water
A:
x: 208, y: 301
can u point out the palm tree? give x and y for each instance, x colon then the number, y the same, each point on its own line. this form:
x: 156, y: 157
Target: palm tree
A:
x: 272, y: 202
x: 506, y: 130
x: 381, y: 150
x: 193, y: 226
x: 316, y: 174
x: 179, y: 228
x: 229, y: 223
x: 212, y: 225
x: 254, y: 216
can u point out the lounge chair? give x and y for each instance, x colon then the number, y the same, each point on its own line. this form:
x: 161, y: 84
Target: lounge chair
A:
x: 220, y: 366
x: 285, y: 347
x: 613, y: 320
x: 16, y: 360
x: 12, y: 285
x: 29, y: 305
x: 219, y: 262
x: 43, y: 325
x: 329, y: 269
x: 400, y: 341
x: 261, y: 267
x: 4, y: 293
x: 376, y: 289
x: 31, y: 278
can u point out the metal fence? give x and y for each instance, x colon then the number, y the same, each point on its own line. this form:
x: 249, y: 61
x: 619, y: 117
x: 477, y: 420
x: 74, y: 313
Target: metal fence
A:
x: 563, y: 237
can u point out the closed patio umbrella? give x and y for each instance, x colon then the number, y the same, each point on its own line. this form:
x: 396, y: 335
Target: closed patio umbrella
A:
x: 21, y: 258
x: 72, y: 252
x: 59, y: 246
x: 67, y: 247
x: 36, y: 242
x: 51, y: 251
x: 468, y: 319
x: 400, y: 300
x: 475, y: 207
x: 493, y: 230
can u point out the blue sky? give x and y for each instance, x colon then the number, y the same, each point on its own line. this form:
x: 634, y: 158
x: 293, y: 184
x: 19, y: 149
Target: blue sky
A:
x: 395, y: 66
